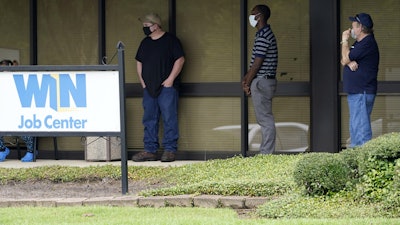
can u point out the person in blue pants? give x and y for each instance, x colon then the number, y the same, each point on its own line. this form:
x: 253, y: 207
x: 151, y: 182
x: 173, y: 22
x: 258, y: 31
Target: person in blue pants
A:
x: 360, y: 62
x: 4, y: 151
x: 159, y: 61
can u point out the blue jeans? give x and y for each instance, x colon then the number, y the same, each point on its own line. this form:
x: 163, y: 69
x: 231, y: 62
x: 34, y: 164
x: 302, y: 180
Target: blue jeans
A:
x: 166, y: 106
x: 360, y: 108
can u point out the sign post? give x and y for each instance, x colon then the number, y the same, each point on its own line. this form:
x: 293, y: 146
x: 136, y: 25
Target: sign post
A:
x: 66, y: 101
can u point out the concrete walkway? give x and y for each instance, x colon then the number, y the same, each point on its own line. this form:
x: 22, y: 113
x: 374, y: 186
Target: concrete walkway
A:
x: 207, y: 201
x: 13, y: 163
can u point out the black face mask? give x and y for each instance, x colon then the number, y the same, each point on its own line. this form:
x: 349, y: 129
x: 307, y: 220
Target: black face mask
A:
x: 147, y: 31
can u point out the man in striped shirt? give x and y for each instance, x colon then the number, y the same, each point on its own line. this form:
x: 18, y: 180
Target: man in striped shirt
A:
x: 260, y: 79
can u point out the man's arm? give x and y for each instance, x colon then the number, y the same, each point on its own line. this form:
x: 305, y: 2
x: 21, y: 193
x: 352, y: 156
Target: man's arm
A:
x: 178, y: 65
x: 251, y: 73
x: 139, y: 72
x: 345, y: 61
x: 345, y: 47
x: 345, y: 53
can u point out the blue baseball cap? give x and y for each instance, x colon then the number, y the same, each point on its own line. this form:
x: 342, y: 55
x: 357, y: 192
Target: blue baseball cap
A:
x: 364, y: 19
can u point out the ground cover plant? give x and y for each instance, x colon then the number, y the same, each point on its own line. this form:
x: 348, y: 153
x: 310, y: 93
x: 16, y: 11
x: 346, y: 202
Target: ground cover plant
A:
x: 356, y: 183
x: 253, y: 176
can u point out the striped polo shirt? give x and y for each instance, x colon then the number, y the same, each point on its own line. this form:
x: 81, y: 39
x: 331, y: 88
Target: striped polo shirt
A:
x: 265, y: 46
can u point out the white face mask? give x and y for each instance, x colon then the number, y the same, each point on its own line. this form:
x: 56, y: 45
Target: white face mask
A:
x: 353, y: 34
x: 252, y: 20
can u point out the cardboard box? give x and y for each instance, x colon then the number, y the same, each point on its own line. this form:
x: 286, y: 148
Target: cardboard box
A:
x: 102, y: 148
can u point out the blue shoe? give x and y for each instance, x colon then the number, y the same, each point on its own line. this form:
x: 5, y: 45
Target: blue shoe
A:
x: 28, y: 157
x: 4, y: 154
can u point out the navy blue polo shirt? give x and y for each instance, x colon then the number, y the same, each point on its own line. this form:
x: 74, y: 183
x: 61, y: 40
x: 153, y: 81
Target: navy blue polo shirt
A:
x: 364, y: 79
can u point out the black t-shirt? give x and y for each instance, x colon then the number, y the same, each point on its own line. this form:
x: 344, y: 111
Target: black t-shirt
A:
x: 158, y: 58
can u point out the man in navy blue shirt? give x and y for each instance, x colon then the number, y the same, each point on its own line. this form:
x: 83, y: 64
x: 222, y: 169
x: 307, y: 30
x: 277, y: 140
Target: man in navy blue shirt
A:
x: 360, y: 61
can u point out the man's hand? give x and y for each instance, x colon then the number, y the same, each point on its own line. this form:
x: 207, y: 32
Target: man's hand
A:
x: 353, y: 65
x: 246, y: 88
x: 168, y: 82
x: 346, y: 34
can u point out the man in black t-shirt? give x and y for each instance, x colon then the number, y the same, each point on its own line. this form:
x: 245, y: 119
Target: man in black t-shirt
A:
x: 160, y: 59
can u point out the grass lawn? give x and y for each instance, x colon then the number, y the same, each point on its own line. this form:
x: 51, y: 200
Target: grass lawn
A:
x: 270, y: 176
x: 154, y: 216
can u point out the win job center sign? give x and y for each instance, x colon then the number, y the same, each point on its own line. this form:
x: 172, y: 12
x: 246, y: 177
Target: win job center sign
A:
x: 60, y: 101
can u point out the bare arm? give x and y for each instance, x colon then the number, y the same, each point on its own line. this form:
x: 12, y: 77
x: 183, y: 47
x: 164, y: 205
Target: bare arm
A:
x: 178, y: 65
x: 139, y: 72
x: 345, y: 48
x: 345, y: 53
x: 251, y: 73
x: 345, y: 61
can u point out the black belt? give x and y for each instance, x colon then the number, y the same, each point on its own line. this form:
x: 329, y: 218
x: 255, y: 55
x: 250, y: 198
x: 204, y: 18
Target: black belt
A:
x: 268, y: 77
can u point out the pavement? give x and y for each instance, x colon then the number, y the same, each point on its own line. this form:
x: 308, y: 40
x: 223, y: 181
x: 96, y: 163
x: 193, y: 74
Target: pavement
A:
x: 13, y: 163
x: 205, y: 201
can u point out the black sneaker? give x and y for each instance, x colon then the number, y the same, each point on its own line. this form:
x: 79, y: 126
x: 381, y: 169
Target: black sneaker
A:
x: 144, y: 156
x: 168, y: 156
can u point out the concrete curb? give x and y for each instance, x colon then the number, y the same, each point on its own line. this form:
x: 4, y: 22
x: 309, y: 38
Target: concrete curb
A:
x: 202, y: 201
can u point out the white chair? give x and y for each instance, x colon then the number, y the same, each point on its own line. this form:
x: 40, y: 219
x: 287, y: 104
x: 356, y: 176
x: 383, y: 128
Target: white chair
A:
x: 377, y: 130
x: 291, y: 137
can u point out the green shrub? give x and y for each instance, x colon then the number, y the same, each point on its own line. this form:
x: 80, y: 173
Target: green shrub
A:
x: 377, y: 165
x: 351, y: 158
x: 385, y: 147
x: 322, y: 173
x: 396, y: 176
x: 391, y: 203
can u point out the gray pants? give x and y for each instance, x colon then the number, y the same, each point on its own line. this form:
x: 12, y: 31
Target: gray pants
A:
x: 262, y: 92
